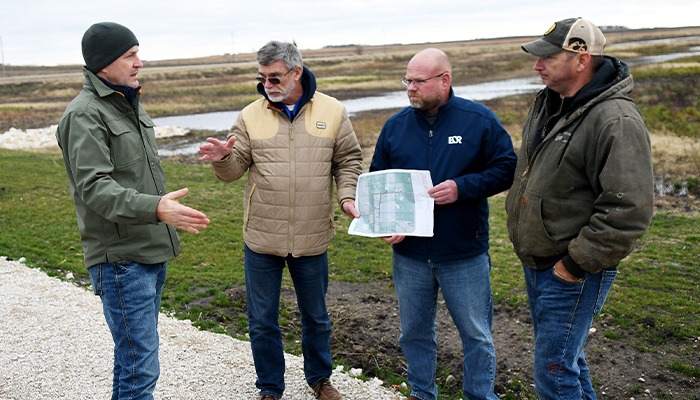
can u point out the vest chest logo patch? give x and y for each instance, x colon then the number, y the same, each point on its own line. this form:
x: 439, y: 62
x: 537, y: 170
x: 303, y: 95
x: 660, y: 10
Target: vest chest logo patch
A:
x: 454, y: 140
x: 320, y: 125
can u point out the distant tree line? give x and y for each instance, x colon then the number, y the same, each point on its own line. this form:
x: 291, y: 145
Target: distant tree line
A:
x: 613, y: 28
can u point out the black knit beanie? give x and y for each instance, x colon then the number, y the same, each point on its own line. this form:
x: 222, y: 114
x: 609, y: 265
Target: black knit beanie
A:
x: 104, y: 42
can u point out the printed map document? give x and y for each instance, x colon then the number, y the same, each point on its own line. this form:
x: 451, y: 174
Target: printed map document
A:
x: 393, y: 202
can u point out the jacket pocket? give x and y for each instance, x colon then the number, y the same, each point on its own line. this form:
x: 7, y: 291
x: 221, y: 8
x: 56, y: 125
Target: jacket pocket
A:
x: 246, y: 208
x: 122, y: 232
x: 126, y: 143
x: 533, y: 238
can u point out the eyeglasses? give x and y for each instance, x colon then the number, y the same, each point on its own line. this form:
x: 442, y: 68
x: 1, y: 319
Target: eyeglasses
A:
x: 419, y: 82
x: 274, y: 79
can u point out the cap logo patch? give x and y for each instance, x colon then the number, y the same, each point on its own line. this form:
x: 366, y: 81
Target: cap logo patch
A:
x: 577, y: 45
x: 551, y: 28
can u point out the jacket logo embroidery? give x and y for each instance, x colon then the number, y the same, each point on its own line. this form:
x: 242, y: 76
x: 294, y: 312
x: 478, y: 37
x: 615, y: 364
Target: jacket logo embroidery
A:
x: 563, y: 137
x: 454, y: 140
x: 320, y: 125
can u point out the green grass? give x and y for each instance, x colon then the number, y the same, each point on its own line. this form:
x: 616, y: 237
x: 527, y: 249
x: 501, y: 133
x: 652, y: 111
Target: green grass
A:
x: 655, y: 298
x: 666, y: 105
x: 658, y: 289
x: 685, y: 369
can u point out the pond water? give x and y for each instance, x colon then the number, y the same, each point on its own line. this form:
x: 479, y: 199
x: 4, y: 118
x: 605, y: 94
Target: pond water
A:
x: 222, y: 121
x: 664, y: 57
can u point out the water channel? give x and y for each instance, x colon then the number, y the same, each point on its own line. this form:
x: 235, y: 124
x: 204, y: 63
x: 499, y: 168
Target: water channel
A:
x: 222, y: 121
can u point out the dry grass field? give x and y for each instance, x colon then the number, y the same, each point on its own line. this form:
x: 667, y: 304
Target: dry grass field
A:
x: 35, y: 97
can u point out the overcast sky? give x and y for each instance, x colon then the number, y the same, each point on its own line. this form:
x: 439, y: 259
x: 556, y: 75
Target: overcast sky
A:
x: 48, y: 32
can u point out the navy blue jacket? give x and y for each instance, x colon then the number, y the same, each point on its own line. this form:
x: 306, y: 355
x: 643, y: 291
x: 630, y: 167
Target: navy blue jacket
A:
x: 467, y: 144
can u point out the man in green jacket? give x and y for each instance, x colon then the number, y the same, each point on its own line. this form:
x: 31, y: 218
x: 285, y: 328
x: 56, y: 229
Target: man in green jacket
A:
x: 126, y: 217
x: 294, y: 142
x: 583, y: 194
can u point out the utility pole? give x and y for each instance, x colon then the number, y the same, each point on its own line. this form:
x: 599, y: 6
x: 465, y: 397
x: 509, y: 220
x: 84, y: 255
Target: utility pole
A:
x: 232, y: 45
x: 2, y: 55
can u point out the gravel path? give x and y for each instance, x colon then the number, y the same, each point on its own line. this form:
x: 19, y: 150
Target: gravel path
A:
x: 55, y: 344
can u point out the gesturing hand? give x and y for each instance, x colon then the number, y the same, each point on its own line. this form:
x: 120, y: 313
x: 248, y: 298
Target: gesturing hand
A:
x: 215, y: 149
x: 171, y: 212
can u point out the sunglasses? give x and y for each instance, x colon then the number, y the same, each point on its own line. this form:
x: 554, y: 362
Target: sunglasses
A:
x: 274, y: 79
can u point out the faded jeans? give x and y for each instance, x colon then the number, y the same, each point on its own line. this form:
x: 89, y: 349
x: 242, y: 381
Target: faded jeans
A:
x: 263, y: 281
x: 131, y: 294
x: 466, y: 289
x: 562, y: 314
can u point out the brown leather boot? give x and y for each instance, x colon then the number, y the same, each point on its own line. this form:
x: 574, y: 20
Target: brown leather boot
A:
x: 324, y: 390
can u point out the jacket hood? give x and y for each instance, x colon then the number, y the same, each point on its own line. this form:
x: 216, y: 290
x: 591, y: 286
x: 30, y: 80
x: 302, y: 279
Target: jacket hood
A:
x: 612, y: 72
x: 611, y: 79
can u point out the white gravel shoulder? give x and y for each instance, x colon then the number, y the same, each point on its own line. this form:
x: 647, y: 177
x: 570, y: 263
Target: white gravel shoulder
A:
x: 45, y: 138
x: 55, y: 344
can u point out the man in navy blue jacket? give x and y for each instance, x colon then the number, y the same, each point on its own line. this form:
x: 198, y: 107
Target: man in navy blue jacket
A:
x: 470, y: 157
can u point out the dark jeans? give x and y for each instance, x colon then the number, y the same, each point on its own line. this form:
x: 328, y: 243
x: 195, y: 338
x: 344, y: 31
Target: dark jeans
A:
x: 562, y: 314
x: 263, y: 275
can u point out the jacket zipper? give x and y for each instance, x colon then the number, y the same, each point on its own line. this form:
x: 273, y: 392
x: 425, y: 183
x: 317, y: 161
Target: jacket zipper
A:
x: 430, y: 149
x: 530, y: 160
x: 292, y: 183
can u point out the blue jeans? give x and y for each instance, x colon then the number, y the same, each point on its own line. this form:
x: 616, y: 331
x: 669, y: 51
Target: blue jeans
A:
x: 131, y: 294
x: 263, y: 281
x: 466, y: 289
x: 562, y: 314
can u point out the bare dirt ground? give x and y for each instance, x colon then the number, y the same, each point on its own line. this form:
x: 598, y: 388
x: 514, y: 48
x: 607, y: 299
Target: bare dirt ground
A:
x: 366, y: 331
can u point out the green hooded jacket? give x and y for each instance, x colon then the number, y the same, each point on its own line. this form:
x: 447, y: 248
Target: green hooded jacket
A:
x: 584, y: 194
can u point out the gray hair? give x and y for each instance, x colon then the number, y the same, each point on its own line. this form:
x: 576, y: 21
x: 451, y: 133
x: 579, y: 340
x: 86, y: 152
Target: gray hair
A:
x: 280, y: 51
